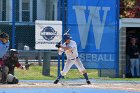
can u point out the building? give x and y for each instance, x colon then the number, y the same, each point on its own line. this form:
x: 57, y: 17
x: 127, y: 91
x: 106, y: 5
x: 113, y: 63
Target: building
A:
x: 26, y: 12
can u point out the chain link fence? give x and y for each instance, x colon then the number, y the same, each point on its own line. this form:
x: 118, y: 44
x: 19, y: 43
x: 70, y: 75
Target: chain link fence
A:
x: 18, y: 20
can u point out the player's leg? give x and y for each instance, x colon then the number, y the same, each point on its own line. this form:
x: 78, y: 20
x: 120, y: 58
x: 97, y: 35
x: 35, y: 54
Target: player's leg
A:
x: 5, y: 71
x: 67, y: 67
x: 132, y: 62
x: 137, y: 67
x: 82, y: 70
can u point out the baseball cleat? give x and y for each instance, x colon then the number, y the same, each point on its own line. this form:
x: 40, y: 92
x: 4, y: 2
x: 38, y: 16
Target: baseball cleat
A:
x: 88, y: 82
x: 56, y: 81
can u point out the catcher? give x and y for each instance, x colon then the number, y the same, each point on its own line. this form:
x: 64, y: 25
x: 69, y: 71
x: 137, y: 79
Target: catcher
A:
x: 70, y: 49
x: 12, y: 61
x: 9, y: 65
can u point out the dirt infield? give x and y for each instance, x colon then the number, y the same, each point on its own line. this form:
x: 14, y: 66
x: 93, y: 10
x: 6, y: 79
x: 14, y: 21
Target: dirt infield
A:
x: 129, y: 86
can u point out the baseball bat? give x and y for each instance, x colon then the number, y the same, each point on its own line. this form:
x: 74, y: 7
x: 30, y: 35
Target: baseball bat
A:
x: 65, y: 34
x: 62, y: 38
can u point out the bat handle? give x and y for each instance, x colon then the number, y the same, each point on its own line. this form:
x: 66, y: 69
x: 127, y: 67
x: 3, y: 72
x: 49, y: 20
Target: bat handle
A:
x: 60, y: 41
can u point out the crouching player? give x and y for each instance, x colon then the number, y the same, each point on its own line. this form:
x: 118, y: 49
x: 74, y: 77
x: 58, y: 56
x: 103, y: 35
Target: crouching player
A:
x: 8, y: 68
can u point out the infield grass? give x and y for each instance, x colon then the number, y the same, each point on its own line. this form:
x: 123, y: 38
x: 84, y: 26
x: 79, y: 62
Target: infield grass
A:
x: 35, y: 73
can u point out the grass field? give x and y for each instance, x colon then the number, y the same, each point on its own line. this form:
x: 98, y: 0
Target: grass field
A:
x: 35, y: 73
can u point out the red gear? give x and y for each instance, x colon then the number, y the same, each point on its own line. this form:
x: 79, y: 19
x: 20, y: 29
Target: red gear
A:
x: 1, y: 63
x: 18, y: 64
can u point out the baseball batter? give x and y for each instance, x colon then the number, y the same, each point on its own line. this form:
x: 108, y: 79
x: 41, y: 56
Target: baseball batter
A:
x: 70, y: 49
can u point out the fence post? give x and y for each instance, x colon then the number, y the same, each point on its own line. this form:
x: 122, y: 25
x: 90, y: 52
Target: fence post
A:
x: 39, y: 58
x: 58, y: 69
x: 13, y: 23
x: 46, y: 63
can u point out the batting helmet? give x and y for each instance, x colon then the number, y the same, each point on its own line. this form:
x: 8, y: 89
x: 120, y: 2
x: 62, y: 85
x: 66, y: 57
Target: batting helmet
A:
x: 66, y: 37
x: 13, y: 51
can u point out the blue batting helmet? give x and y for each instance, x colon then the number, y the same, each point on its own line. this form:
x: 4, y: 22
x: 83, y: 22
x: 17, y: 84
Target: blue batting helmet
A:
x: 66, y: 37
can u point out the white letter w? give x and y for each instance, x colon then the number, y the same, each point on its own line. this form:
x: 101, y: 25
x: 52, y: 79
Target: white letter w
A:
x: 94, y: 18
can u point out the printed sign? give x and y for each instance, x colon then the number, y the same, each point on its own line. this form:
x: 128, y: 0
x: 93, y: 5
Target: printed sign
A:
x: 47, y: 34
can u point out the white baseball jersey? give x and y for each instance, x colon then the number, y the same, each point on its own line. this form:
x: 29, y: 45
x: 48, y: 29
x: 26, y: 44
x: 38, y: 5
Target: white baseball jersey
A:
x: 72, y: 53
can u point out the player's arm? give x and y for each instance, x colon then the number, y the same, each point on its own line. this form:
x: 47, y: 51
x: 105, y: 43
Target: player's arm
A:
x: 71, y: 47
x: 60, y: 51
x: 18, y: 65
x: 65, y: 47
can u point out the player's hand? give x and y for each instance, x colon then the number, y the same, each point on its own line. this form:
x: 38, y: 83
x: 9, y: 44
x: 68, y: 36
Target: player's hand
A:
x: 58, y: 45
x: 59, y: 49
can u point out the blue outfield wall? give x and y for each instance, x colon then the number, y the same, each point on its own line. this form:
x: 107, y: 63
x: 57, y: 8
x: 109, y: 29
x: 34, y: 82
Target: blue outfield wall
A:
x: 94, y: 26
